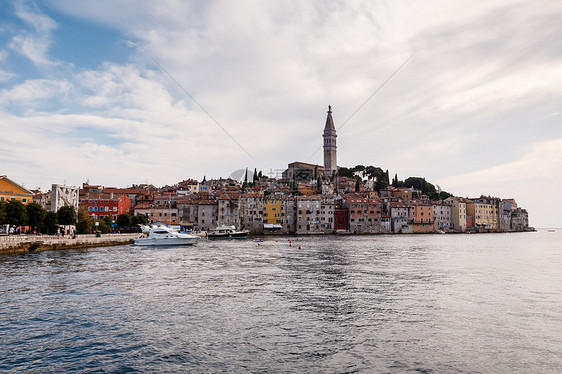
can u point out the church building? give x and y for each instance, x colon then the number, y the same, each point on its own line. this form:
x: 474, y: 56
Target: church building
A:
x: 305, y: 171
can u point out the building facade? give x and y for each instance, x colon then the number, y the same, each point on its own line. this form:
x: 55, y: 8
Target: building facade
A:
x: 10, y: 190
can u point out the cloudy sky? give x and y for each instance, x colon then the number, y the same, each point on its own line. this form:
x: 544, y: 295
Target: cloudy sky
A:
x: 467, y: 93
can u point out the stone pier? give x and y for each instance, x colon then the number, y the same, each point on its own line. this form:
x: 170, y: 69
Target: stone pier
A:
x: 26, y: 243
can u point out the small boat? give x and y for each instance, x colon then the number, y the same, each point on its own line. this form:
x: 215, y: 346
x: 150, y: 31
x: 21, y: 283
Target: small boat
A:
x: 227, y: 232
x: 162, y: 235
x: 440, y: 232
x: 551, y: 230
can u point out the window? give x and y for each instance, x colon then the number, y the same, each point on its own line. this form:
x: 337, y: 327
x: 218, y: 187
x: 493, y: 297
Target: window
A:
x: 24, y: 200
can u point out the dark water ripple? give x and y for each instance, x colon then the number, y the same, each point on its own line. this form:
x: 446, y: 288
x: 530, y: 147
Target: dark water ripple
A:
x: 390, y: 304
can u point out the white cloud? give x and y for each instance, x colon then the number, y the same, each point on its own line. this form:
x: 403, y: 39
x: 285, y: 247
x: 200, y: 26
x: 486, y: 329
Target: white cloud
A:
x: 32, y: 93
x: 33, y: 44
x: 483, y: 83
x: 533, y: 180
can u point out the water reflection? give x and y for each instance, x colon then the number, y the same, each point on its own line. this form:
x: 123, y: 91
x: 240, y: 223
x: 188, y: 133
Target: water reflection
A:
x: 354, y: 304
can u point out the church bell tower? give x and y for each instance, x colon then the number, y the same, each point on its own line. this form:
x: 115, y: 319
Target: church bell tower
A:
x: 330, y: 160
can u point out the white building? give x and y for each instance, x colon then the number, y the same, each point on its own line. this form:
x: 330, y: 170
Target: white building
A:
x: 64, y: 196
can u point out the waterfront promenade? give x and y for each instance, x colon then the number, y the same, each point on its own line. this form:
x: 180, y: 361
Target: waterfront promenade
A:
x: 27, y: 243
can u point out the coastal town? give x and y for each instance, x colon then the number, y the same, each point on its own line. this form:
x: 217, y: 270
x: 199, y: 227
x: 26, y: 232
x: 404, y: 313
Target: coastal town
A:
x: 305, y: 199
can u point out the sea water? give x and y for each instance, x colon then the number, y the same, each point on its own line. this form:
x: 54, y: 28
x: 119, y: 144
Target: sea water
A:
x: 479, y: 303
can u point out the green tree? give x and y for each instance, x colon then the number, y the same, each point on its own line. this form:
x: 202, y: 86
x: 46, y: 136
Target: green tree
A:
x: 84, y: 223
x: 124, y: 220
x: 318, y: 185
x: 245, y: 184
x: 422, y: 185
x: 66, y: 215
x: 50, y: 223
x: 135, y: 220
x: 356, y: 186
x: 359, y: 168
x: 35, y: 215
x: 101, y: 226
x: 16, y: 213
x: 444, y: 195
x: 3, y: 216
x: 255, y: 176
x: 345, y: 172
x: 139, y: 219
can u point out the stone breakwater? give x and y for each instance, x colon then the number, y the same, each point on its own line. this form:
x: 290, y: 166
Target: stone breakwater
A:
x: 27, y: 243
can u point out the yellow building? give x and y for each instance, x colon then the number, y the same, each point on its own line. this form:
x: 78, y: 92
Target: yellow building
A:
x: 484, y: 214
x: 272, y: 211
x: 10, y: 190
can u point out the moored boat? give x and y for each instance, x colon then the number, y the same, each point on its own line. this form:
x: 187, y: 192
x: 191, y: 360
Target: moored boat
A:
x: 227, y: 232
x: 162, y: 235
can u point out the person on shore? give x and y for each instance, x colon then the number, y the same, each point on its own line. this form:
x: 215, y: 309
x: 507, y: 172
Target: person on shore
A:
x: 58, y: 232
x: 11, y: 231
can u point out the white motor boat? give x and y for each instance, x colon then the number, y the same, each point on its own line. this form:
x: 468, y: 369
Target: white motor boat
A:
x: 227, y: 232
x: 162, y: 235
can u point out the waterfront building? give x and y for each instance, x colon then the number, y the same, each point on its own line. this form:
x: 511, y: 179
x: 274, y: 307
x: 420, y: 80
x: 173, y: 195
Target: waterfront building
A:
x: 519, y: 219
x: 484, y: 212
x: 207, y: 214
x: 99, y: 204
x: 10, y: 190
x: 386, y: 223
x: 504, y: 211
x: 341, y: 217
x: 251, y: 212
x: 401, y: 217
x: 458, y: 213
x: 308, y: 217
x: 228, y: 210
x: 188, y: 211
x: 422, y: 216
x: 327, y: 214
x: 364, y: 214
x: 441, y: 216
x: 271, y: 211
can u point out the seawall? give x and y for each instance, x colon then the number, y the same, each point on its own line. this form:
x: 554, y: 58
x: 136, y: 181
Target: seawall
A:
x: 26, y: 243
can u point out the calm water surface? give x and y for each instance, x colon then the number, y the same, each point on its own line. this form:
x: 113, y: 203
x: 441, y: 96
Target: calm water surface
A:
x: 488, y: 303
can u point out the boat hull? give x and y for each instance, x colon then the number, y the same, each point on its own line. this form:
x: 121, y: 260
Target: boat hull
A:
x: 164, y: 241
x: 238, y: 235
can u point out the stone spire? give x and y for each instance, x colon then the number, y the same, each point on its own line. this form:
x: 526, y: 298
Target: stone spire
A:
x: 330, y: 160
